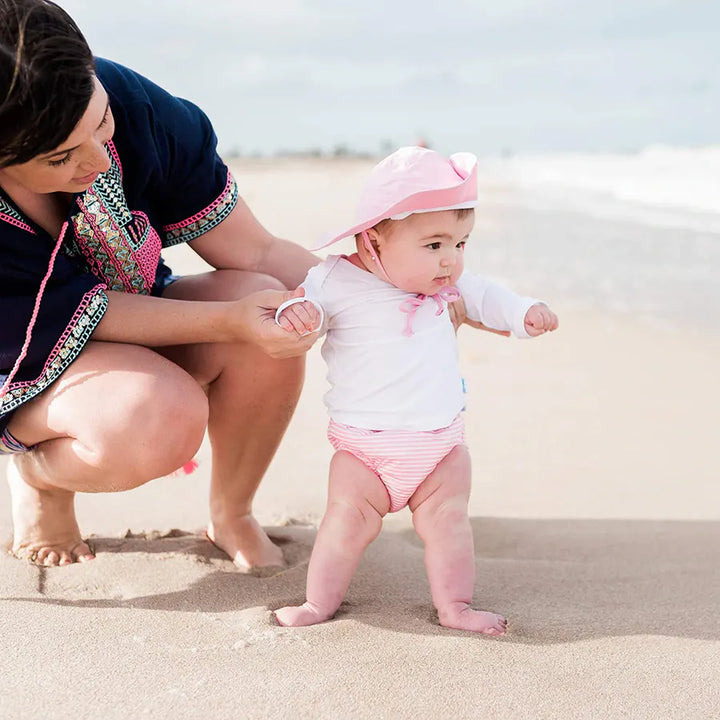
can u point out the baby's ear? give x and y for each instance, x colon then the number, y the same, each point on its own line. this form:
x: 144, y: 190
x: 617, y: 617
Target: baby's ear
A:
x: 375, y: 238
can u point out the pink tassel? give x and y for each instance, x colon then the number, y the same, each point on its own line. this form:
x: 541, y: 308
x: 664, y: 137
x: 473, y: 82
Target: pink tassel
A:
x: 188, y: 468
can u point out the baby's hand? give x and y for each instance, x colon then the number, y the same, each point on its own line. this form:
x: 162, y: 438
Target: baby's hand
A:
x: 299, y: 315
x: 540, y: 319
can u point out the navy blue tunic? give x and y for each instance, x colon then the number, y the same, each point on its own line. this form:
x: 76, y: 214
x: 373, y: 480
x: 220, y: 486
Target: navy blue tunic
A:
x: 166, y: 185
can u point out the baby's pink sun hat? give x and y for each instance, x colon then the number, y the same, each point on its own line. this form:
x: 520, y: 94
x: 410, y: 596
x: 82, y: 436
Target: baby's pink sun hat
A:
x: 413, y: 180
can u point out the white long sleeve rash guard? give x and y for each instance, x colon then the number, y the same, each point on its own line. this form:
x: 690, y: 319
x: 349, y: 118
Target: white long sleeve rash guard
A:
x: 382, y: 379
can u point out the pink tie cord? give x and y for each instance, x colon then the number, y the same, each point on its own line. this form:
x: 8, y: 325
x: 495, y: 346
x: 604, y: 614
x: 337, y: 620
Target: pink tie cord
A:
x: 33, y: 318
x: 412, y: 305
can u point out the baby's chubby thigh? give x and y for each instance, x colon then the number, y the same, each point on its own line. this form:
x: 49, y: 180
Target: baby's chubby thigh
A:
x: 355, y: 486
x: 448, y: 484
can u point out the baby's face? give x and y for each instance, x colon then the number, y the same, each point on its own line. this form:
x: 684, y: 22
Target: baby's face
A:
x: 424, y: 252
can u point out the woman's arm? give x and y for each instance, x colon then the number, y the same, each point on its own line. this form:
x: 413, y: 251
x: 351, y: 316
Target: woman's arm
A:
x: 241, y: 242
x: 155, y: 322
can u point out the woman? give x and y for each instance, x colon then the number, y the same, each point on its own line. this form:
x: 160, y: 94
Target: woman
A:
x: 114, y: 377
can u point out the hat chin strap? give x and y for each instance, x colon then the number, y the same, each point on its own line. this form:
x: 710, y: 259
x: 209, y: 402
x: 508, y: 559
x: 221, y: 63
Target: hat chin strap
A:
x: 411, y: 305
x: 376, y: 259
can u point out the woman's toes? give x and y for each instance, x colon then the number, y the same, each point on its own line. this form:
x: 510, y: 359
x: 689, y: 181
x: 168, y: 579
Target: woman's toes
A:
x: 38, y: 557
x: 47, y: 557
x: 82, y: 552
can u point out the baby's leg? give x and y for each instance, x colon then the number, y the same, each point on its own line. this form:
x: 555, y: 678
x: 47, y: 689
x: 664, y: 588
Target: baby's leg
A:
x: 357, y: 502
x: 439, y: 508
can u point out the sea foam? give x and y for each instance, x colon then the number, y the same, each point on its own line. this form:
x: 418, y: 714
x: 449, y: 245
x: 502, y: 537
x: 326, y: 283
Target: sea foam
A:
x: 660, y: 185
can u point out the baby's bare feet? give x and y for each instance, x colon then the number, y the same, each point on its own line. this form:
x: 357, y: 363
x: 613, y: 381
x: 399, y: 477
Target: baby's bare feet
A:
x: 300, y: 616
x: 460, y: 616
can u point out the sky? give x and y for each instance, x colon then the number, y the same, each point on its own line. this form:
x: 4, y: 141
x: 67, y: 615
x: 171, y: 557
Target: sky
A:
x: 489, y: 76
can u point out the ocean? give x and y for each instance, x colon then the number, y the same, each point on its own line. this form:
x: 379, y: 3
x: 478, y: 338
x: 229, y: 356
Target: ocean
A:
x: 636, y: 234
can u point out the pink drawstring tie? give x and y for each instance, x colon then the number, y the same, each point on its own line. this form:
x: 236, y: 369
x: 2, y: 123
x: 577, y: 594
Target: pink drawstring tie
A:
x: 33, y: 318
x: 412, y: 305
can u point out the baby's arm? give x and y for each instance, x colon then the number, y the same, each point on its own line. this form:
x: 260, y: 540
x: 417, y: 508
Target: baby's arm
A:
x: 307, y: 313
x: 502, y: 309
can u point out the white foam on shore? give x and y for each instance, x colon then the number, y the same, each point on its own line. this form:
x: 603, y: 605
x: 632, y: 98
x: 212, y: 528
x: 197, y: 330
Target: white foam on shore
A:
x: 660, y: 185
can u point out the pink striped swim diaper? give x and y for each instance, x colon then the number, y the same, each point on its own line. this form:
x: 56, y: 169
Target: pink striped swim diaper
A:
x: 402, y: 459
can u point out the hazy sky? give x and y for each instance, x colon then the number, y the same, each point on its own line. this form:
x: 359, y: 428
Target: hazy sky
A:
x: 480, y: 75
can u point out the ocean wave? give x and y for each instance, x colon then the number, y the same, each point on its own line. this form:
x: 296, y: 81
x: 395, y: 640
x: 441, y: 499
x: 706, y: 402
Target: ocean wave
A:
x: 660, y: 184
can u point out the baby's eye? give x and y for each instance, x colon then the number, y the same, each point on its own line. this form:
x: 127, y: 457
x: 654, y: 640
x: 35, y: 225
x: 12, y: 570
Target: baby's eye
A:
x: 461, y: 244
x: 433, y: 246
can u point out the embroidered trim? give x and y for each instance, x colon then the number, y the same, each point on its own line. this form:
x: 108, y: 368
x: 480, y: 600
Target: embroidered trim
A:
x: 113, y: 151
x: 11, y: 216
x: 206, y: 219
x: 118, y: 245
x: 78, y: 331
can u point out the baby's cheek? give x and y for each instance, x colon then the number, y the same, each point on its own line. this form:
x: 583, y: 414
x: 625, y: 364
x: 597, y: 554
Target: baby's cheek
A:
x: 457, y: 271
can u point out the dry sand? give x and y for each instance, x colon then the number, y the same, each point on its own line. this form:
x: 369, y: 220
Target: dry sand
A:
x: 596, y: 508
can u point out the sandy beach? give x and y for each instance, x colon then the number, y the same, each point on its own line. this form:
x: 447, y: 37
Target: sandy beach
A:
x: 595, y: 509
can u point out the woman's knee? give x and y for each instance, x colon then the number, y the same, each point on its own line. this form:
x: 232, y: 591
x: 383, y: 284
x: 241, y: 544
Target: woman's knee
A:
x: 158, y: 423
x: 176, y: 416
x: 234, y: 284
x: 225, y: 285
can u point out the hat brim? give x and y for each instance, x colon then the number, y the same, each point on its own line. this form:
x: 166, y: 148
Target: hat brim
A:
x: 461, y: 195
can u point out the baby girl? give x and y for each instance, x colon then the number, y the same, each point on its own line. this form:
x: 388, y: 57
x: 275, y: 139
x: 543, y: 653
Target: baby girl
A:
x: 396, y: 391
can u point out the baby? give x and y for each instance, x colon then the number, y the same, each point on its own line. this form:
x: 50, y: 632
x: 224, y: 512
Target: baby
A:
x: 396, y: 391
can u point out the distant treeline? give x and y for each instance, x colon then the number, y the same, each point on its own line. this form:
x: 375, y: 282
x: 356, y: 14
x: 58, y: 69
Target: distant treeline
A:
x: 338, y: 151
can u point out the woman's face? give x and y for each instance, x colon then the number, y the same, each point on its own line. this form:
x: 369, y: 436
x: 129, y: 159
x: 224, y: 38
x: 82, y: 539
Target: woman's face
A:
x: 73, y: 166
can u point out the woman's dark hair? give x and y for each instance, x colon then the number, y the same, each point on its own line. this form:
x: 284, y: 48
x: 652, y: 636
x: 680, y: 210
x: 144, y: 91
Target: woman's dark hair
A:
x: 46, y: 78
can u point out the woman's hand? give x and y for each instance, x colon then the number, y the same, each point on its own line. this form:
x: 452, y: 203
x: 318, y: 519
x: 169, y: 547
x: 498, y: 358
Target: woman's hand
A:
x: 256, y: 312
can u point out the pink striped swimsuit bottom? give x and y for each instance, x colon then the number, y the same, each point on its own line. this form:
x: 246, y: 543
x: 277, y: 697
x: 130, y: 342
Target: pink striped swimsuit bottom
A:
x: 402, y: 459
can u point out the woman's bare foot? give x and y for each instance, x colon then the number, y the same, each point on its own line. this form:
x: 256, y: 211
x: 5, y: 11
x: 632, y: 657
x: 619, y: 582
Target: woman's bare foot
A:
x: 460, y: 616
x: 245, y: 542
x: 300, y: 616
x: 45, y: 529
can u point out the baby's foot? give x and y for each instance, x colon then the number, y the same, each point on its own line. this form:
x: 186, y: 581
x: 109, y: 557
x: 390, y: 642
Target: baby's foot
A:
x: 300, y: 616
x: 460, y: 616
